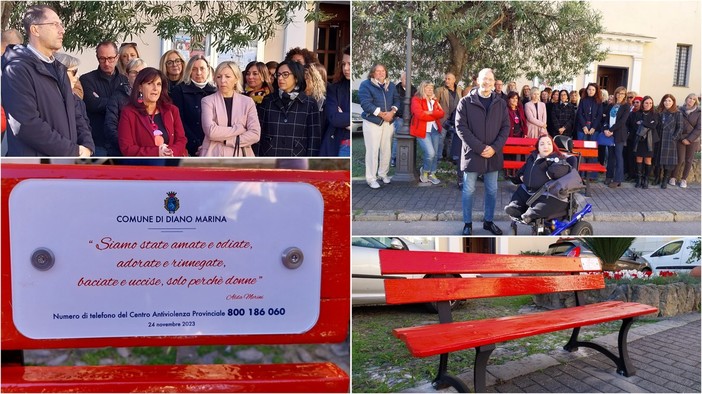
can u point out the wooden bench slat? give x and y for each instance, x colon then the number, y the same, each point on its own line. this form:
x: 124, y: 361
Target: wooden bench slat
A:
x: 436, y: 339
x: 310, y: 377
x: 407, y: 291
x: 403, y: 262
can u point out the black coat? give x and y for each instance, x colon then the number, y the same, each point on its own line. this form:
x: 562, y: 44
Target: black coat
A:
x: 114, y: 107
x: 563, y: 116
x: 289, y: 130
x: 647, y: 119
x: 338, y: 98
x: 536, y: 171
x: 478, y: 129
x: 44, y: 117
x: 97, y: 90
x: 188, y: 98
x: 619, y: 128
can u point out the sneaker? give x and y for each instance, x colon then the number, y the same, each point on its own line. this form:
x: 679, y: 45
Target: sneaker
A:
x: 385, y: 179
x: 433, y: 179
x: 374, y: 185
x: 423, y: 175
x: 683, y: 184
x: 671, y: 182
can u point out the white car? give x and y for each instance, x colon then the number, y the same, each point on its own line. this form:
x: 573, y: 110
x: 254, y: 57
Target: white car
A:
x: 673, y: 256
x: 367, y: 287
x: 366, y: 282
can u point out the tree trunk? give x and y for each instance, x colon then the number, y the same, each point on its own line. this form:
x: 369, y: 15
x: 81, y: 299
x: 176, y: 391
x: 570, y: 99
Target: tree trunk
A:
x: 459, y: 57
x: 7, y: 7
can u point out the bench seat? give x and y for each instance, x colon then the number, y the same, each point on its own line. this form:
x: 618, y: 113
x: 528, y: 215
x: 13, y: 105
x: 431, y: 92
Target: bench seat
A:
x: 310, y: 377
x: 430, y: 340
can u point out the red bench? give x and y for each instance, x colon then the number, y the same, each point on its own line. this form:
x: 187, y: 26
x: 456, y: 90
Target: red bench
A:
x: 328, y: 268
x: 499, y: 276
x: 524, y: 147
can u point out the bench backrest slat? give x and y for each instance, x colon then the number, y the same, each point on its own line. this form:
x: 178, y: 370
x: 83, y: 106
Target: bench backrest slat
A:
x: 403, y: 262
x: 409, y: 291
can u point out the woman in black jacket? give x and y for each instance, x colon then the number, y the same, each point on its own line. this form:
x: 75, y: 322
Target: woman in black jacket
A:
x: 290, y: 123
x: 563, y: 115
x: 197, y: 83
x: 545, y: 163
x: 645, y: 138
x: 615, y: 126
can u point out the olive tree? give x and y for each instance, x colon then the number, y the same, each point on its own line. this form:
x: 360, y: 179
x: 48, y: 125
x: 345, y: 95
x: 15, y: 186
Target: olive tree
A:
x: 553, y: 40
x: 234, y: 23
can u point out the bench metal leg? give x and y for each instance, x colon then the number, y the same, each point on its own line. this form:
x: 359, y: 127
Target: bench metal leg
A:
x: 623, y: 363
x: 482, y: 354
x: 444, y: 380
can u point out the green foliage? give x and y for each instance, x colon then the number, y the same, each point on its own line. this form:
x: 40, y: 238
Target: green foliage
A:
x: 608, y: 250
x: 694, y: 251
x: 531, y: 253
x: 552, y: 40
x: 232, y: 24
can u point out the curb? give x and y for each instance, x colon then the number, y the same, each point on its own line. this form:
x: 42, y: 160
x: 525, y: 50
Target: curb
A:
x: 498, y: 374
x: 448, y: 216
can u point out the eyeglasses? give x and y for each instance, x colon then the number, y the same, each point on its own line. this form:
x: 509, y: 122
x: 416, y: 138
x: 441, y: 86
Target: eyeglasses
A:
x: 173, y: 62
x: 284, y: 74
x: 130, y: 44
x: 57, y: 25
x: 630, y: 97
x: 103, y: 59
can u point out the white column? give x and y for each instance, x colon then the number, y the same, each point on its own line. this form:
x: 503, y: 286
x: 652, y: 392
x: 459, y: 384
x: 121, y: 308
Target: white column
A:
x: 591, y: 76
x: 636, y: 74
x: 295, y: 33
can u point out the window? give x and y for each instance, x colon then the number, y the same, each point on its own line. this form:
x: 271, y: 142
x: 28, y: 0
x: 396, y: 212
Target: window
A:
x: 682, y: 65
x: 669, y: 249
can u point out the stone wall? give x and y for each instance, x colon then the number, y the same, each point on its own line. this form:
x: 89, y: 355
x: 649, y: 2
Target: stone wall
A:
x: 671, y: 300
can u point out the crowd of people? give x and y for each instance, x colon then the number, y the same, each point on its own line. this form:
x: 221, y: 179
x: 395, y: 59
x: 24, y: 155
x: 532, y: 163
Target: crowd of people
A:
x: 182, y: 108
x: 636, y: 138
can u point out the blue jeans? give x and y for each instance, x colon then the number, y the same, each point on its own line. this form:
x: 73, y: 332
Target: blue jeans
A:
x: 430, y: 146
x: 469, y: 180
x: 615, y: 162
x: 344, y: 151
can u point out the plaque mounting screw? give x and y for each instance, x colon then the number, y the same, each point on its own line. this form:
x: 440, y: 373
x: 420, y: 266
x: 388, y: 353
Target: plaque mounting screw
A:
x: 43, y: 259
x: 293, y: 257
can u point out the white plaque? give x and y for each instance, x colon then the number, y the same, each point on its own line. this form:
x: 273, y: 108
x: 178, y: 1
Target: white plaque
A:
x: 590, y: 263
x: 161, y: 258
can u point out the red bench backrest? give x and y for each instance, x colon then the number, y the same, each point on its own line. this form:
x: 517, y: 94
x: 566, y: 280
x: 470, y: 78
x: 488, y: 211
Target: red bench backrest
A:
x: 528, y: 275
x: 332, y: 323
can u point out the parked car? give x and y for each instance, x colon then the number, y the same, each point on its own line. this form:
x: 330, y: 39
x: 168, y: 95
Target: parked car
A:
x: 630, y: 260
x: 356, y: 120
x: 366, y: 281
x: 367, y: 286
x: 673, y: 256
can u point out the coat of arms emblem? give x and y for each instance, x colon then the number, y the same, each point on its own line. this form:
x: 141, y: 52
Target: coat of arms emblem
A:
x: 171, y: 202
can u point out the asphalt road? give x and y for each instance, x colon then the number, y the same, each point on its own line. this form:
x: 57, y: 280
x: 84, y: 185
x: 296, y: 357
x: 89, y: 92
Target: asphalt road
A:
x: 455, y: 228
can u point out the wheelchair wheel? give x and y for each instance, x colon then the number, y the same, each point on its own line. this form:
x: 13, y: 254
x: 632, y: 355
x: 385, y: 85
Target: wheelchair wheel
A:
x: 581, y: 228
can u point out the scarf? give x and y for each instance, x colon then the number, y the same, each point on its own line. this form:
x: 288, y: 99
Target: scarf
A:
x: 199, y: 85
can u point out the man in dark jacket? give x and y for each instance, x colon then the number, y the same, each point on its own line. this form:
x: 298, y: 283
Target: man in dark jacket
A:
x: 98, y: 87
x: 43, y: 117
x: 482, y: 125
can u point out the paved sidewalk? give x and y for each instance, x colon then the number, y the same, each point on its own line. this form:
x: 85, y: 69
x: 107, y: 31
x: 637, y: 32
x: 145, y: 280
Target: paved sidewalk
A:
x: 415, y: 202
x: 666, y: 356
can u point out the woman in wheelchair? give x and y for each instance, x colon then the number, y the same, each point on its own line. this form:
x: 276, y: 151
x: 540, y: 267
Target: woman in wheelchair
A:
x: 543, y: 164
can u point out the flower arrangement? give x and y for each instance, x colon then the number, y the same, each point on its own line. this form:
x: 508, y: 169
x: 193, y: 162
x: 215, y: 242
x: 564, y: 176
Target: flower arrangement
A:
x: 634, y: 274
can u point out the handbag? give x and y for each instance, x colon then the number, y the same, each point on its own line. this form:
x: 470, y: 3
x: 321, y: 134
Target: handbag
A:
x: 642, y: 131
x: 237, y: 148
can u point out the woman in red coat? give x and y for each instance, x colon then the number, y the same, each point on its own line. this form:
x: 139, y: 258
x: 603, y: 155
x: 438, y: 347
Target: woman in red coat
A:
x: 150, y: 125
x: 426, y: 126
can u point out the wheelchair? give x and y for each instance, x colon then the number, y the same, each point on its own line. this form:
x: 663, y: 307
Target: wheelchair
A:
x: 570, y: 221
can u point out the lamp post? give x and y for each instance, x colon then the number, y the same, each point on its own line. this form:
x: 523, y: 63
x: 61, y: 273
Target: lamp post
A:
x: 405, y: 164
